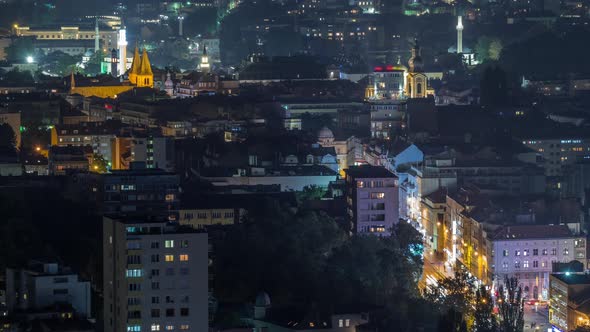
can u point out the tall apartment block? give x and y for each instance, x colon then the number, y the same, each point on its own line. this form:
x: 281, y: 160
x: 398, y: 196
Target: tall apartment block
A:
x: 372, y: 199
x: 155, y: 276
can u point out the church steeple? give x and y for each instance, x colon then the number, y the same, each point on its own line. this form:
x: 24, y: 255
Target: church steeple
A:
x: 205, y: 61
x: 146, y: 67
x: 143, y: 74
x: 415, y: 62
x: 135, y: 66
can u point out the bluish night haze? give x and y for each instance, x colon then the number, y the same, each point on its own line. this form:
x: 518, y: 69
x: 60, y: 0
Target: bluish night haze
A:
x: 294, y: 165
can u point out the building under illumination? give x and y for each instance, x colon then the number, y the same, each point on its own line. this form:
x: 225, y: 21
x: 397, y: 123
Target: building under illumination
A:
x: 570, y: 301
x: 155, y: 276
x: 372, y: 199
x: 528, y: 252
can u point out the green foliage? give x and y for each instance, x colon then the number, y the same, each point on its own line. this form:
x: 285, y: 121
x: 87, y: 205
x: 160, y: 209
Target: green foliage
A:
x: 495, y: 49
x: 457, y: 293
x: 452, y: 321
x: 310, y: 193
x: 61, y: 63
x: 512, y: 306
x: 484, y: 321
x: 488, y: 48
x: 17, y: 76
x: 93, y: 66
x: 493, y: 87
x: 98, y: 164
x: 275, y: 249
x: 304, y: 259
x: 19, y: 50
x: 7, y: 137
x: 482, y: 48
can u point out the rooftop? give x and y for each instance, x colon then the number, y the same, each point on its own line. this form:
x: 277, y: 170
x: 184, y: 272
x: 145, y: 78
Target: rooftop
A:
x: 533, y: 232
x: 574, y: 278
x: 369, y: 171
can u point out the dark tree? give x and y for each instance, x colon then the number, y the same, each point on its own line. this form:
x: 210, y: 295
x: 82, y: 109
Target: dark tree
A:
x: 7, y: 137
x: 493, y: 87
x: 484, y: 319
x: 452, y: 321
x: 511, y: 306
x: 457, y: 293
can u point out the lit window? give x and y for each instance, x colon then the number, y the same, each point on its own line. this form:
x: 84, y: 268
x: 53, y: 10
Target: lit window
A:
x: 347, y: 323
x: 133, y: 273
x: 184, y: 327
x: 133, y: 328
x: 525, y: 264
x: 155, y: 327
x: 169, y: 258
x: 169, y: 327
x: 169, y: 243
x: 184, y: 258
x: 377, y: 195
x: 566, y: 251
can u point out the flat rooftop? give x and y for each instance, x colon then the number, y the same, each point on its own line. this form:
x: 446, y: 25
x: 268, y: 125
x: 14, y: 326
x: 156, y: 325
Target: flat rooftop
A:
x: 518, y: 232
x: 369, y: 171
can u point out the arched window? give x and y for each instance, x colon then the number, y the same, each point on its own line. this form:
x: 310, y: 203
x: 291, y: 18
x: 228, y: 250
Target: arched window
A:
x: 419, y: 88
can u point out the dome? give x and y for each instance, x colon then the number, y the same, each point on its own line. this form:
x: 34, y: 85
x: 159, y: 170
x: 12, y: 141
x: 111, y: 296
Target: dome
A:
x: 262, y: 300
x: 325, y: 133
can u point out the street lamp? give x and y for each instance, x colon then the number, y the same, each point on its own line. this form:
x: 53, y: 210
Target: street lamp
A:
x: 30, y: 59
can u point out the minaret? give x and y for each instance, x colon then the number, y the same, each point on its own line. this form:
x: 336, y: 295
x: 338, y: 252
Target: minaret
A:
x: 96, y: 37
x: 180, y: 21
x: 122, y: 43
x: 205, y: 61
x: 459, y: 35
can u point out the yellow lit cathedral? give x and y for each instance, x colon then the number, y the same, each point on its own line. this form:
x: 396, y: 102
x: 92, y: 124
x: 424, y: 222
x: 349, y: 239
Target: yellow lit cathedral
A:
x: 140, y: 76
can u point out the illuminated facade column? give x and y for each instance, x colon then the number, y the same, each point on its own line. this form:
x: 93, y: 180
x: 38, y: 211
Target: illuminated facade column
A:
x: 122, y: 43
x: 459, y: 34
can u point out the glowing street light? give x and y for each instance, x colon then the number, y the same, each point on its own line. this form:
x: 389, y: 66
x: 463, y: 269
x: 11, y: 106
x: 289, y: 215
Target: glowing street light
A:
x: 30, y: 59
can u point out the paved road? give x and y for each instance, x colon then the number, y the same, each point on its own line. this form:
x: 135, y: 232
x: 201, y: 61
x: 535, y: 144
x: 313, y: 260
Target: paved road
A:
x: 540, y: 318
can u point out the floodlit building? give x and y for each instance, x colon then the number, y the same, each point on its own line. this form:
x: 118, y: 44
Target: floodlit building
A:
x: 372, y: 199
x: 528, y: 251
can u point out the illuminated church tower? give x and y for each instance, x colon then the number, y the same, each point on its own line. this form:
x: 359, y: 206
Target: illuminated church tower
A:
x: 141, y: 74
x: 416, y: 82
x: 145, y: 77
x: 204, y: 66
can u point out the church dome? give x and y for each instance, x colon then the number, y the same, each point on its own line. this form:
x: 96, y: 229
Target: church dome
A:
x: 263, y: 300
x: 325, y: 133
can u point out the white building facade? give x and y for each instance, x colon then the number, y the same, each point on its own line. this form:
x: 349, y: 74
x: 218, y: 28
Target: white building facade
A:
x: 528, y: 251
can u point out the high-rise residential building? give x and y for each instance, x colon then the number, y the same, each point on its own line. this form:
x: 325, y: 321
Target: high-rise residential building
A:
x: 155, y: 276
x: 372, y: 198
